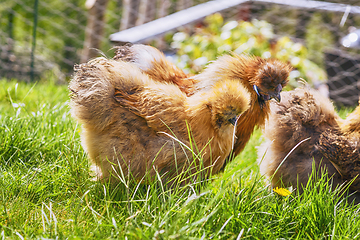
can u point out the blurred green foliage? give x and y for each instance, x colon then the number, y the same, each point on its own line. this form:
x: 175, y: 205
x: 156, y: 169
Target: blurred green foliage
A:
x: 216, y: 38
x: 318, y: 37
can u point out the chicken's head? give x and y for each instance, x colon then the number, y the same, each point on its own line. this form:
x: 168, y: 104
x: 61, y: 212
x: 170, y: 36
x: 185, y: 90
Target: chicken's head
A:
x: 269, y: 79
x: 228, y: 101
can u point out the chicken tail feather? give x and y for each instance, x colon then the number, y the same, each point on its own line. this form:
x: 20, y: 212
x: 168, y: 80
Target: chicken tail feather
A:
x: 99, y: 86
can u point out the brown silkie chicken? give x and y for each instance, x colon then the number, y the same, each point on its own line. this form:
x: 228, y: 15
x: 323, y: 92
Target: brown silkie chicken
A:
x: 263, y: 78
x: 304, y: 129
x: 132, y: 124
x: 343, y: 151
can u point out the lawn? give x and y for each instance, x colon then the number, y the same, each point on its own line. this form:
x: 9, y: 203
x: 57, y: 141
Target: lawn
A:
x: 47, y: 191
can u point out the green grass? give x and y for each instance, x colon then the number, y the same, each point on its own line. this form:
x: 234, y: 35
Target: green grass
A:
x: 46, y: 190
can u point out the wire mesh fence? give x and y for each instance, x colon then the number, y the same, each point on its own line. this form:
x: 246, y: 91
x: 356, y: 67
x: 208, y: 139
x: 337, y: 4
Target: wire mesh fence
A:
x: 62, y: 27
x: 67, y: 31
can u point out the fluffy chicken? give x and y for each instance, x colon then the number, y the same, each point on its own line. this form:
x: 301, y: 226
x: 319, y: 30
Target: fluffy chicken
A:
x: 304, y: 129
x: 134, y: 125
x: 343, y: 151
x: 263, y: 78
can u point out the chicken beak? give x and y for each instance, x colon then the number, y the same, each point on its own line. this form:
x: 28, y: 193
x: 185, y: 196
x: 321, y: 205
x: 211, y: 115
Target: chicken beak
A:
x: 234, y: 120
x: 276, y: 96
x: 263, y: 98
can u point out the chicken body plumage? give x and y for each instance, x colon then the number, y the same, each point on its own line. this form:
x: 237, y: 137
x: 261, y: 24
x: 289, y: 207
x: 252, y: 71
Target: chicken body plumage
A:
x: 133, y: 124
x: 343, y: 151
x: 263, y: 78
x: 153, y: 63
x: 304, y: 131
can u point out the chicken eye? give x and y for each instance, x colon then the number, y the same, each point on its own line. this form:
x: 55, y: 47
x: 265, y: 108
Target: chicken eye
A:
x: 219, y: 122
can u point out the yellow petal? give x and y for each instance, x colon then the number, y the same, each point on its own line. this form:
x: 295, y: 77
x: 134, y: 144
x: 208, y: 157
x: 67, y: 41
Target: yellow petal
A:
x: 282, y: 191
